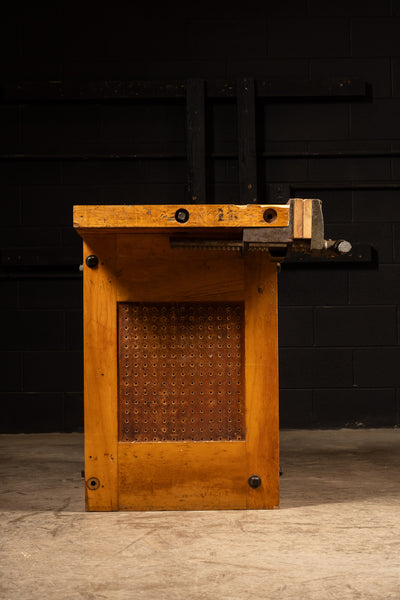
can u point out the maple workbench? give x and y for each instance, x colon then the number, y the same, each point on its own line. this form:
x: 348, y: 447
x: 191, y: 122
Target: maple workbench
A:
x: 181, y: 354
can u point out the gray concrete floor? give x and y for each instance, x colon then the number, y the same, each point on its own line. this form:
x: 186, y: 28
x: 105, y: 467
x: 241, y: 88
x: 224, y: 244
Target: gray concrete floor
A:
x: 337, y: 534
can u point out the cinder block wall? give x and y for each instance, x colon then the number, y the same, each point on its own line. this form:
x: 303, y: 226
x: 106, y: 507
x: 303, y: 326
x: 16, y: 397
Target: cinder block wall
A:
x: 340, y: 355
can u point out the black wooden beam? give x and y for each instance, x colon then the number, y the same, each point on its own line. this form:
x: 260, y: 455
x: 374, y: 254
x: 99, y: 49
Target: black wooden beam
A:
x: 46, y: 262
x: 360, y: 253
x: 93, y: 90
x: 51, y: 91
x: 196, y: 140
x: 337, y: 154
x: 247, y: 151
x: 307, y: 88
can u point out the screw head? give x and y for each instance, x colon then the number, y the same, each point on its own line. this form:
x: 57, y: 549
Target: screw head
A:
x: 254, y: 481
x: 92, y: 261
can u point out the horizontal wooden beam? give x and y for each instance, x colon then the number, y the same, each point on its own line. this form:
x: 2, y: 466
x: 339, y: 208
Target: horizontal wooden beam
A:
x: 51, y: 91
x: 212, y: 155
x: 45, y: 266
x: 177, y: 217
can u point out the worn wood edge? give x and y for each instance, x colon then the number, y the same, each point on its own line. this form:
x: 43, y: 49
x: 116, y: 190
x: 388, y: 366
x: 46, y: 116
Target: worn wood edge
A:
x: 200, y: 215
x: 262, y: 380
x: 297, y: 218
x: 100, y: 378
x: 307, y: 218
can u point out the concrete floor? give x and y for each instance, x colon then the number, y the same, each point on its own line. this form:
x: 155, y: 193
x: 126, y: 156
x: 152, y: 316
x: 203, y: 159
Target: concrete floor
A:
x: 337, y: 534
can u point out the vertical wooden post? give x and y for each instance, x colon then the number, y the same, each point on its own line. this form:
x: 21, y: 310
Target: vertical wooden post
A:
x: 196, y: 140
x: 247, y: 141
x: 101, y: 377
x: 262, y: 379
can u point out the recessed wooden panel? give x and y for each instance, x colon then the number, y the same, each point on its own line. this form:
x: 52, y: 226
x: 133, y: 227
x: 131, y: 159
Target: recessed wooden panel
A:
x: 183, y: 476
x: 149, y: 270
x: 181, y: 371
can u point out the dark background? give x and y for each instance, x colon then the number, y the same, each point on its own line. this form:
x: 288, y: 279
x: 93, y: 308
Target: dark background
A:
x: 339, y: 334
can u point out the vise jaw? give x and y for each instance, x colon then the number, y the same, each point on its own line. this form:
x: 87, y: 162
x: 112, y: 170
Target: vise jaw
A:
x: 303, y: 233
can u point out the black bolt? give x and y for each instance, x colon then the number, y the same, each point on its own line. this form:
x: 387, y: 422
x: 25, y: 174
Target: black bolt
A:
x: 254, y: 481
x: 182, y: 215
x: 92, y: 261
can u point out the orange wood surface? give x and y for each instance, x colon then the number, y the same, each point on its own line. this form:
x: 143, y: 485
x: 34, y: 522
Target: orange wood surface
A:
x: 302, y: 218
x: 182, y: 475
x: 307, y: 218
x: 163, y: 216
x: 178, y: 475
x: 148, y: 270
x: 297, y: 218
x: 261, y: 374
x: 100, y: 367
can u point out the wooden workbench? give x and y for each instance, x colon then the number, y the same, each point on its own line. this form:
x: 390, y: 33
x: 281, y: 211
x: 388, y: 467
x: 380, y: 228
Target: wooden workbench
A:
x: 181, y: 359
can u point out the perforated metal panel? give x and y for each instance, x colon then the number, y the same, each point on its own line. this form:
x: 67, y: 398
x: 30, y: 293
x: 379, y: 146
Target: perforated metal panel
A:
x: 181, y: 371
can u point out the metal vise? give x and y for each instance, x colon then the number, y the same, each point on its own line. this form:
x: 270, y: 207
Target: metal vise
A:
x: 303, y: 234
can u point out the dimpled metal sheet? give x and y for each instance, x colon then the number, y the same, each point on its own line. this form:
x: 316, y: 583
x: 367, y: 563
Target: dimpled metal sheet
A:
x: 181, y: 371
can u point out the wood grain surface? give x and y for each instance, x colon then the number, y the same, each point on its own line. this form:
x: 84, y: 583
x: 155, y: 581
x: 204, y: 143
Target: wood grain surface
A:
x: 100, y: 381
x: 182, y: 476
x: 149, y: 270
x: 262, y: 379
x: 163, y: 216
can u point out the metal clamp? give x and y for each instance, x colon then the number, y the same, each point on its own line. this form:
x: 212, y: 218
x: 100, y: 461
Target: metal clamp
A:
x: 304, y: 235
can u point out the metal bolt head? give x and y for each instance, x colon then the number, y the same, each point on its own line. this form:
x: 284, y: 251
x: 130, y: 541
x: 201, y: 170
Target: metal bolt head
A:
x: 254, y: 481
x: 344, y: 247
x: 92, y: 261
x: 182, y: 215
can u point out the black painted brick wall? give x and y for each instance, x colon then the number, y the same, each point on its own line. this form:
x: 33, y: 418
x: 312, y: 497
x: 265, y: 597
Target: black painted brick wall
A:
x: 339, y: 327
